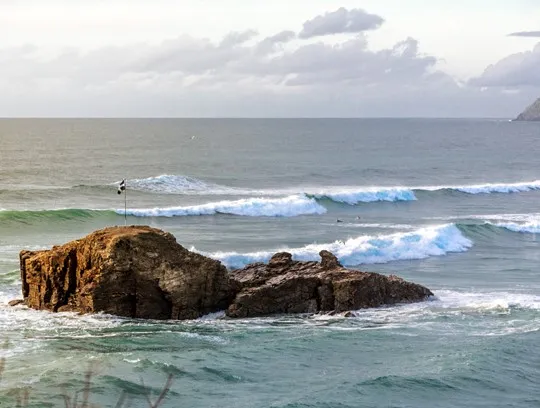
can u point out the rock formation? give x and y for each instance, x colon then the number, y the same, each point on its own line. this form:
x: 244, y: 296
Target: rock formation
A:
x: 132, y: 271
x: 287, y: 286
x: 532, y: 113
x: 143, y: 272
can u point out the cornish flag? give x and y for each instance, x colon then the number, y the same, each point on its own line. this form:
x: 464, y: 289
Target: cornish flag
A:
x: 122, y: 187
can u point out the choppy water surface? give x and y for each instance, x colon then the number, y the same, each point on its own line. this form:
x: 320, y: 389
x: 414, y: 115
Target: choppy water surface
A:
x: 451, y: 204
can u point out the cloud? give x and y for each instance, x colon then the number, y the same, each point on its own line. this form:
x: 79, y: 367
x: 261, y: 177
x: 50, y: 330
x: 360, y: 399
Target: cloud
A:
x: 339, y: 22
x: 248, y: 75
x: 517, y: 70
x: 525, y: 34
x: 273, y: 43
x: 238, y: 38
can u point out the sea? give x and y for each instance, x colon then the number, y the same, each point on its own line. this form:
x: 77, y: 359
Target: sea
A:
x: 452, y: 204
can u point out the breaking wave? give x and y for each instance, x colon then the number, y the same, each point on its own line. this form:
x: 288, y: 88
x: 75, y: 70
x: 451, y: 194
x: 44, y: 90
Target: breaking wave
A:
x: 253, y: 207
x: 532, y: 227
x: 366, y: 249
x: 367, y: 195
x: 488, y: 188
x: 525, y: 223
x: 173, y: 184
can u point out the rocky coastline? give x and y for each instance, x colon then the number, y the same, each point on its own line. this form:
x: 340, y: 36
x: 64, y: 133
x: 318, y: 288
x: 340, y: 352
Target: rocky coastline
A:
x: 142, y: 272
x: 531, y: 114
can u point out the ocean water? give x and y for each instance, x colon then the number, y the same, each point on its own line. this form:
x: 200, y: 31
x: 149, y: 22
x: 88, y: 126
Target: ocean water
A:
x: 450, y: 204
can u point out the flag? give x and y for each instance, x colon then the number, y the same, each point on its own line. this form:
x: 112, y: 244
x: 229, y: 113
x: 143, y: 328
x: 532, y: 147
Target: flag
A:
x: 122, y: 186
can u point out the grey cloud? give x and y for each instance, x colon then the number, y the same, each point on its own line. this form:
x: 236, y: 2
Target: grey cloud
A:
x: 517, y: 70
x: 341, y: 21
x: 237, y: 38
x: 244, y: 75
x: 306, y: 65
x: 525, y: 34
x: 272, y: 43
x: 281, y: 37
x: 237, y: 67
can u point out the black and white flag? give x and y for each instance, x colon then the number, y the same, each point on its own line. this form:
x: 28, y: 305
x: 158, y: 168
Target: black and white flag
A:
x: 122, y: 186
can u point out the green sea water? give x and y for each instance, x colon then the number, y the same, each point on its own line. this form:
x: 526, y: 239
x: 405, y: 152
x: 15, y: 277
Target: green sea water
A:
x: 450, y: 204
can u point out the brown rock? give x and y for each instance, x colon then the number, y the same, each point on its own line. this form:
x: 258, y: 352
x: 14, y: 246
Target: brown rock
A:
x: 280, y: 259
x: 287, y: 286
x: 16, y: 302
x: 143, y: 272
x: 328, y: 260
x: 134, y: 271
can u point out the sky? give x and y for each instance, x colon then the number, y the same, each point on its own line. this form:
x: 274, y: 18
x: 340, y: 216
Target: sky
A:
x: 254, y: 58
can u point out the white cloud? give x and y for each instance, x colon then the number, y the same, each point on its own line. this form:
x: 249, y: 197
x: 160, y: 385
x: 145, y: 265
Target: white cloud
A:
x: 341, y: 21
x: 517, y: 70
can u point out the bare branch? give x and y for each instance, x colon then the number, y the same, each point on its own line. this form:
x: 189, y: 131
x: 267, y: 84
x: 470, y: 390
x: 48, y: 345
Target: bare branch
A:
x: 86, y: 389
x: 67, y: 401
x: 164, y: 392
x: 121, y: 400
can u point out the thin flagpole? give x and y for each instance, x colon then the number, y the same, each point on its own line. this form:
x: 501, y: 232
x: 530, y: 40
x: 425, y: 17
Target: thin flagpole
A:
x: 125, y: 203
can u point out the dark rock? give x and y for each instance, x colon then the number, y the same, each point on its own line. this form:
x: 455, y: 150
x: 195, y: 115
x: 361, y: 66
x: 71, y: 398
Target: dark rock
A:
x: 328, y: 260
x: 134, y: 271
x: 143, y: 272
x: 532, y: 113
x: 310, y: 287
x: 16, y: 302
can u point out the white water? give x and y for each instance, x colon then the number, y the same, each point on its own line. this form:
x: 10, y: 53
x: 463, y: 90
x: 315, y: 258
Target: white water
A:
x: 174, y: 184
x: 253, y: 207
x: 366, y: 249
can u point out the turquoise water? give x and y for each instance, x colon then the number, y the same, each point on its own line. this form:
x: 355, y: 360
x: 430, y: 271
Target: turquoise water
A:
x: 451, y: 204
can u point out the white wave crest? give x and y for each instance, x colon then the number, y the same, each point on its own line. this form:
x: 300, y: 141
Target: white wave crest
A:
x: 367, y: 195
x: 355, y: 195
x: 532, y: 227
x: 352, y: 195
x: 171, y: 184
x: 487, y: 188
x: 526, y: 223
x: 500, y: 188
x: 422, y: 243
x: 253, y: 207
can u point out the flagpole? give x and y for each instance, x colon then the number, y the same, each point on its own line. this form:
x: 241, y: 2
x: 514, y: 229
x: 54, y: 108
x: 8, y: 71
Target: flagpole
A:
x: 125, y: 205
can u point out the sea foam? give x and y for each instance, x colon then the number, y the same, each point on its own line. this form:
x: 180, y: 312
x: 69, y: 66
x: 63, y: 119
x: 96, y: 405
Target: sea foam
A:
x: 253, y: 207
x: 173, y: 184
x: 179, y: 184
x: 367, y: 249
x: 526, y: 223
x: 532, y: 227
x: 487, y: 188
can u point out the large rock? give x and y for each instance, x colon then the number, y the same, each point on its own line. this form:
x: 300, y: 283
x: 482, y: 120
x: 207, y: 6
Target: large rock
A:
x: 532, y: 113
x: 134, y: 271
x: 287, y: 286
x: 143, y: 272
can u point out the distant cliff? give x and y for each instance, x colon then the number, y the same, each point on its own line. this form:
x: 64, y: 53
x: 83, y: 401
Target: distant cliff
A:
x: 532, y: 113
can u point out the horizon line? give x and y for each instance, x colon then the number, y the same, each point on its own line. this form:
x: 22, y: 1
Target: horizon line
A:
x: 253, y: 117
